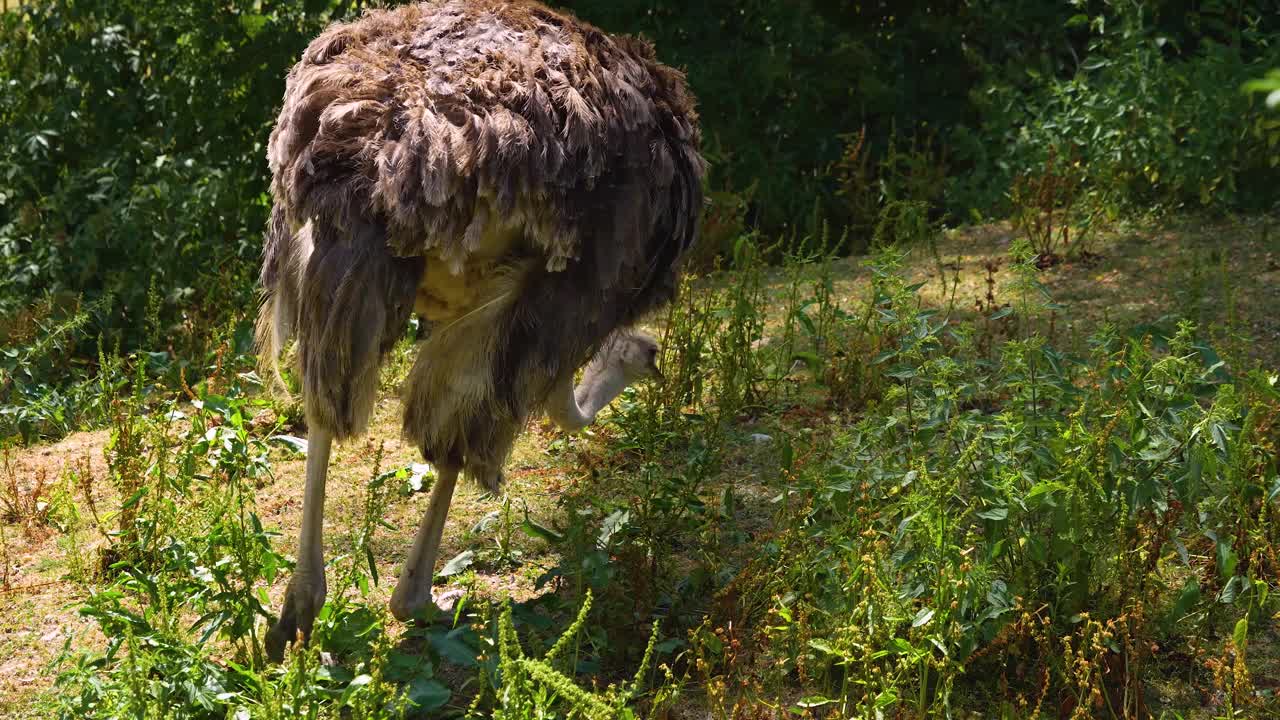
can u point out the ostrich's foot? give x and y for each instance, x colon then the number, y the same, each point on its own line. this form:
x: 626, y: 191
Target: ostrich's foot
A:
x: 302, y: 602
x: 409, y: 599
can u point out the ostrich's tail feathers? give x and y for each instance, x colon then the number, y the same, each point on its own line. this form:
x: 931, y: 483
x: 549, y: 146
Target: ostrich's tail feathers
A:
x: 271, y: 334
x: 281, y: 255
x: 346, y: 300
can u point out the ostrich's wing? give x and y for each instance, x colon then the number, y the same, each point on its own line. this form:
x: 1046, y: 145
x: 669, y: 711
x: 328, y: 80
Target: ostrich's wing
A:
x: 441, y: 118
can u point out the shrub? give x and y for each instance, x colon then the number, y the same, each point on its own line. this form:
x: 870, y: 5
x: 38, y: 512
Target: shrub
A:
x: 1152, y: 121
x: 131, y: 154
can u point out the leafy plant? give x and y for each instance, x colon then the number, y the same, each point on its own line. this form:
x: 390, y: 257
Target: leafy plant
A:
x: 530, y: 688
x: 1146, y: 114
x: 1269, y: 127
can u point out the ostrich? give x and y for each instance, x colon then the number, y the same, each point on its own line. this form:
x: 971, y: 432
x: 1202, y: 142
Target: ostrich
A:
x: 524, y: 182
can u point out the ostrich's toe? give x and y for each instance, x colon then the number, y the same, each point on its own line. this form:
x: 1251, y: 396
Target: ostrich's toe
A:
x: 302, y: 602
x: 447, y: 600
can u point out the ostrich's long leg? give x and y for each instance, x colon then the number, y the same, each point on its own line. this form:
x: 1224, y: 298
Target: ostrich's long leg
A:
x: 311, y: 537
x: 305, y: 595
x: 413, y: 591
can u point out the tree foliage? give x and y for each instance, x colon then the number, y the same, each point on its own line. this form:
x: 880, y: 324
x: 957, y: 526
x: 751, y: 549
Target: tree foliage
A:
x: 132, y: 156
x: 132, y: 133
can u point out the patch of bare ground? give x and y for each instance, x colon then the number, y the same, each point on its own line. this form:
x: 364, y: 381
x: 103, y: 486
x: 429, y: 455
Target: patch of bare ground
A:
x: 44, y: 570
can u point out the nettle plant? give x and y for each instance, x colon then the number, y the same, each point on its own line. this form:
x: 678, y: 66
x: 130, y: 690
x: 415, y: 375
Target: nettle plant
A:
x: 1058, y: 504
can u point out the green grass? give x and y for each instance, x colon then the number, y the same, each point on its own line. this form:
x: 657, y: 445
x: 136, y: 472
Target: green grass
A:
x: 864, y: 489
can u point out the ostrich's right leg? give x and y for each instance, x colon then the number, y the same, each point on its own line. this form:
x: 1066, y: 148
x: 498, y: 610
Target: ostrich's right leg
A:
x: 306, y: 592
x: 413, y: 590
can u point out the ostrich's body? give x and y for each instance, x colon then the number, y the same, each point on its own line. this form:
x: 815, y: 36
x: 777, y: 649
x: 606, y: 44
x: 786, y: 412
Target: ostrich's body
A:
x: 523, y: 181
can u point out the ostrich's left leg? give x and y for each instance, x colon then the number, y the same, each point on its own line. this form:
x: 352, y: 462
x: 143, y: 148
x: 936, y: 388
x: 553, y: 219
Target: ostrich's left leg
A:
x: 349, y: 299
x: 413, y: 591
x: 306, y: 592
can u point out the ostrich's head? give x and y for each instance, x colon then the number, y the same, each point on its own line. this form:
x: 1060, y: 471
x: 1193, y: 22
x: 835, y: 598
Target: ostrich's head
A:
x: 633, y: 356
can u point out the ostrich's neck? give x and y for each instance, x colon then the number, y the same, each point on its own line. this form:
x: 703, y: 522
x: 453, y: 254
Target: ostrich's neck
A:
x: 575, y: 408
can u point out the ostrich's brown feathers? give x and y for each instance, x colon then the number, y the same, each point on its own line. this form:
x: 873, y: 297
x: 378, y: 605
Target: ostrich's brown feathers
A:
x: 544, y: 174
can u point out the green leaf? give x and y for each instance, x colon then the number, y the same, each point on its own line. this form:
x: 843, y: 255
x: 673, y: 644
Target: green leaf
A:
x: 886, y: 698
x: 813, y: 701
x: 353, y: 687
x: 1232, y: 589
x: 1240, y: 636
x: 666, y: 647
x: 253, y: 23
x: 483, y: 524
x: 1183, y: 555
x: 296, y: 444
x: 612, y: 524
x: 902, y: 372
x: 533, y: 529
x: 460, y: 562
x: 403, y: 667
x: 822, y: 647
x: 214, y: 620
x: 373, y: 565
x: 808, y: 323
x: 884, y: 356
x: 995, y: 513
x: 1187, y: 599
x: 923, y: 617
x: 134, y: 498
x: 335, y: 673
x: 1044, y: 487
x: 1227, y: 559
x: 452, y: 648
x: 1219, y: 437
x: 428, y: 695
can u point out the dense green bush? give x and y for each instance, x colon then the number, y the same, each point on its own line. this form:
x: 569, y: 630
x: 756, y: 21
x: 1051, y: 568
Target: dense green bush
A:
x: 132, y: 152
x: 780, y: 85
x: 979, y: 88
x: 1150, y: 120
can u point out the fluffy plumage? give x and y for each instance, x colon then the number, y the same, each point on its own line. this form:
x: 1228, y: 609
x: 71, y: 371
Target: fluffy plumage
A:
x: 527, y: 181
